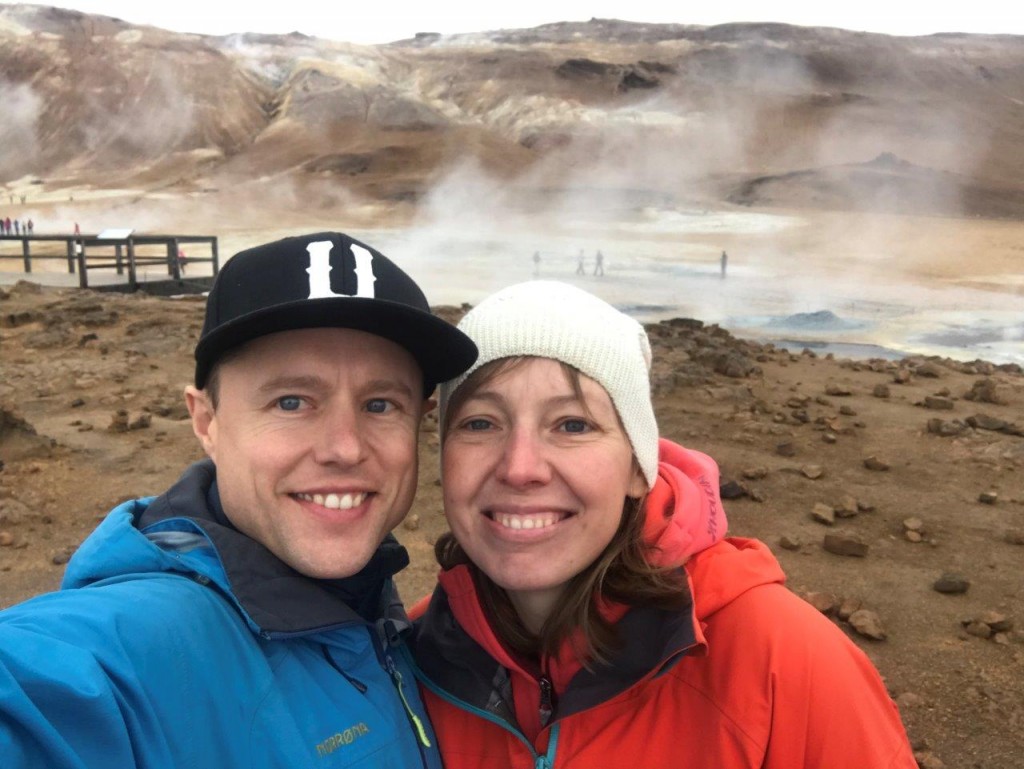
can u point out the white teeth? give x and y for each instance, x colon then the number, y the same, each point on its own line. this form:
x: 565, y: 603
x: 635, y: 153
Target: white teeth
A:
x: 518, y: 522
x: 334, y: 501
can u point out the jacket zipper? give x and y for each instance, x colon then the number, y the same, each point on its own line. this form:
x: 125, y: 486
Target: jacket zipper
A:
x: 396, y: 676
x: 546, y: 700
x: 547, y: 761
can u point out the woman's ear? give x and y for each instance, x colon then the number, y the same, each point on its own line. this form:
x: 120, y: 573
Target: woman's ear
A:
x: 637, y: 482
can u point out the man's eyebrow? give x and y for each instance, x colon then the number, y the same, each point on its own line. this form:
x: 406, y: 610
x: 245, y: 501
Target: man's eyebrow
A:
x: 287, y: 381
x: 386, y: 386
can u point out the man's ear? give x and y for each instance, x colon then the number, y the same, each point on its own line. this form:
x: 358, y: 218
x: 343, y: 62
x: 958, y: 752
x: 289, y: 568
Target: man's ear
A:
x: 204, y: 419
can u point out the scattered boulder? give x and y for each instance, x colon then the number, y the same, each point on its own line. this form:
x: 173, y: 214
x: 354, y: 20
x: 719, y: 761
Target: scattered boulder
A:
x: 987, y: 391
x: 938, y: 403
x: 826, y: 603
x: 789, y: 542
x: 733, y: 490
x: 929, y: 369
x: 951, y: 584
x: 945, y: 429
x: 844, y: 544
x: 823, y: 513
x: 868, y: 624
x: 875, y: 464
x: 994, y: 424
x: 838, y: 391
x: 881, y: 391
x: 988, y: 497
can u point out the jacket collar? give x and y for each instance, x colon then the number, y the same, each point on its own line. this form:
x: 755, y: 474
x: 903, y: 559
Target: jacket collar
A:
x: 457, y: 649
x: 277, y: 599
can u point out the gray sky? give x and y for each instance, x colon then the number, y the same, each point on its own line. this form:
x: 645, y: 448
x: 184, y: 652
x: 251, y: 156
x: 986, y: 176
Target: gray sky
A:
x: 398, y: 19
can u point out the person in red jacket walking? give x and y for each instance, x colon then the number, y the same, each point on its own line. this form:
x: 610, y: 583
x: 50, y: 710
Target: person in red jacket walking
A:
x: 590, y: 611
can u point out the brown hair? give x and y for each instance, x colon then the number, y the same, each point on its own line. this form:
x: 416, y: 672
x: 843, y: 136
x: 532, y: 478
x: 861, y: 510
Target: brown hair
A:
x: 621, y: 573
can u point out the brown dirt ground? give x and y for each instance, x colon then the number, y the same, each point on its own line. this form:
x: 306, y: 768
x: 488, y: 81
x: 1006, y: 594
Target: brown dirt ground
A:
x: 73, y: 359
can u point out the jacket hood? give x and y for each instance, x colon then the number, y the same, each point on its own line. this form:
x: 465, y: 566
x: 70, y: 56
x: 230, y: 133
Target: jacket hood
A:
x: 683, y: 511
x: 729, y: 569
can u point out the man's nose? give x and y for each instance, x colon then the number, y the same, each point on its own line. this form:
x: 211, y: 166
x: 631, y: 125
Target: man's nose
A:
x: 524, y: 460
x: 339, y: 440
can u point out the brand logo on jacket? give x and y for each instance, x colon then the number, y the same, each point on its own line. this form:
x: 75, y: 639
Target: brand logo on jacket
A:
x: 340, y: 739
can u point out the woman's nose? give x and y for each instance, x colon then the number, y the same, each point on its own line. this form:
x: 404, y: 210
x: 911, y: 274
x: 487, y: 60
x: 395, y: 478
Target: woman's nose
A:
x: 523, y: 460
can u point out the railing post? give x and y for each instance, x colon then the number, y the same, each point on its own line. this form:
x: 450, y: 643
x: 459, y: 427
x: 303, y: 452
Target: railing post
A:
x: 26, y: 255
x: 117, y: 255
x: 83, y: 280
x: 213, y: 249
x: 173, y: 267
x: 71, y: 255
x: 132, y: 281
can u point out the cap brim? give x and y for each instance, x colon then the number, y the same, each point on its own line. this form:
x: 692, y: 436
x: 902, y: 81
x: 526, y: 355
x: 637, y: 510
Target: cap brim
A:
x: 442, y: 351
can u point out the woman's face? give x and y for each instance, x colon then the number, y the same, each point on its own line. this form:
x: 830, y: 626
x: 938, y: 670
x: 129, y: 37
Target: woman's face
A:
x: 534, y: 479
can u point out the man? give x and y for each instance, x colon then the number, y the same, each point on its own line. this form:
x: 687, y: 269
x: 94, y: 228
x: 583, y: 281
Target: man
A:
x: 246, y: 617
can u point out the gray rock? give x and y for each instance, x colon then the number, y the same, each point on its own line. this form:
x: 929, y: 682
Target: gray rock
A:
x: 789, y: 542
x: 823, y: 513
x: 951, y: 584
x: 843, y: 544
x: 876, y: 464
x: 881, y: 391
x: 938, y: 403
x: 867, y: 624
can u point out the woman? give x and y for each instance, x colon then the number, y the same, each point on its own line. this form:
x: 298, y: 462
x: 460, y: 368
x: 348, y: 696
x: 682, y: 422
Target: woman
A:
x: 590, y: 611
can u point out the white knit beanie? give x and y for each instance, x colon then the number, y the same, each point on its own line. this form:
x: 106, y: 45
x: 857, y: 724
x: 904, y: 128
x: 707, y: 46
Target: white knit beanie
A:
x: 555, y: 320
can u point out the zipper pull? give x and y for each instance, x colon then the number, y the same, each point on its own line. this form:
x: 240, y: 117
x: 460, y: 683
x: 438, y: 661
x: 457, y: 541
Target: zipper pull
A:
x: 396, y: 676
x: 546, y: 700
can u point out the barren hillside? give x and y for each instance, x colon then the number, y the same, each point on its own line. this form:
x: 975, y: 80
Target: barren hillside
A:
x: 655, y: 112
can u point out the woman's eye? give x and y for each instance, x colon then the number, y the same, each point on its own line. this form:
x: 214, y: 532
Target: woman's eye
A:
x: 575, y: 426
x: 379, y: 406
x: 289, y: 403
x: 475, y: 425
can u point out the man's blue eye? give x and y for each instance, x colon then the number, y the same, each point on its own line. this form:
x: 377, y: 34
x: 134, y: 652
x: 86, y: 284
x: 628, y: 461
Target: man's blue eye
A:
x: 378, y: 406
x: 290, y: 403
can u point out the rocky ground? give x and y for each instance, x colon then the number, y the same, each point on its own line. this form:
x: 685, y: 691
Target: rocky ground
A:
x: 892, y: 492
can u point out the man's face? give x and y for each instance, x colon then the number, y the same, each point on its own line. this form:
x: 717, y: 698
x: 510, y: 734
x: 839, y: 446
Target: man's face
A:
x: 315, y: 442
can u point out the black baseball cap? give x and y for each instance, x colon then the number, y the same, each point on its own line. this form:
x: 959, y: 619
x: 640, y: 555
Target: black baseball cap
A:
x: 330, y: 280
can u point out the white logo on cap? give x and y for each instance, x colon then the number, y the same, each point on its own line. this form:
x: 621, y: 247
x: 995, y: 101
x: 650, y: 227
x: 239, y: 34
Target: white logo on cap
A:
x: 319, y: 271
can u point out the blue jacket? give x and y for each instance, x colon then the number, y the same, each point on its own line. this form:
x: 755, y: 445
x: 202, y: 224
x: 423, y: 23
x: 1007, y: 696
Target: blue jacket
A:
x: 176, y: 641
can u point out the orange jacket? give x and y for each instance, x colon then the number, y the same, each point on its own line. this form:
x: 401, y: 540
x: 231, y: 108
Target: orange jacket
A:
x: 753, y: 677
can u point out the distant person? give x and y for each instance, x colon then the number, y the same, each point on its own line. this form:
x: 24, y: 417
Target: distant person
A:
x: 30, y: 227
x: 77, y: 230
x: 599, y: 263
x: 591, y: 611
x: 182, y: 260
x: 725, y: 262
x: 247, y: 618
x: 581, y: 263
x: 536, y: 263
x: 7, y: 225
x: 17, y: 227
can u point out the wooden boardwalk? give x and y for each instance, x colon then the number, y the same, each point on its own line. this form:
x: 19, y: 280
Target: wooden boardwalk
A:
x: 124, y: 263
